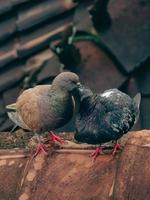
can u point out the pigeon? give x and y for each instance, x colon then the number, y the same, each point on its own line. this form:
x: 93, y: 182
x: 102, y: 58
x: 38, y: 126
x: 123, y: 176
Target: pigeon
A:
x: 46, y: 107
x: 105, y: 117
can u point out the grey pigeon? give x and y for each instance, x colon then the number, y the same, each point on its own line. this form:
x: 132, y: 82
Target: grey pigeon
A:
x: 105, y: 117
x: 46, y: 107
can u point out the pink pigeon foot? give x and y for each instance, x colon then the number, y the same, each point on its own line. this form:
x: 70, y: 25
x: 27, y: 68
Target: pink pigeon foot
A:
x: 116, y: 148
x: 56, y: 138
x: 97, y: 152
x: 41, y: 148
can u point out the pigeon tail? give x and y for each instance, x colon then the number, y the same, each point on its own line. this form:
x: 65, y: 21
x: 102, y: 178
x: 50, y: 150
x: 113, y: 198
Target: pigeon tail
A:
x: 137, y: 99
x: 11, y: 107
x: 14, y: 128
x: 16, y: 118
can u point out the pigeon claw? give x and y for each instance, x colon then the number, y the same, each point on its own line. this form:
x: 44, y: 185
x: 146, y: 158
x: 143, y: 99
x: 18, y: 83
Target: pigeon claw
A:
x: 116, y: 148
x: 41, y: 148
x: 56, y: 139
x: 97, y: 152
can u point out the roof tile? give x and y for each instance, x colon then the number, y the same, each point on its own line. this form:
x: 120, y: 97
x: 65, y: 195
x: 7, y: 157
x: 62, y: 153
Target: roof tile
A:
x: 41, y: 12
x: 97, y: 70
x: 11, y: 77
x: 5, y: 6
x: 128, y: 35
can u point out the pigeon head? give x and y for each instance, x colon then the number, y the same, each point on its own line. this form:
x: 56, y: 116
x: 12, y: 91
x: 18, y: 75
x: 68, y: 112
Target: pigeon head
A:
x: 84, y: 92
x: 67, y: 80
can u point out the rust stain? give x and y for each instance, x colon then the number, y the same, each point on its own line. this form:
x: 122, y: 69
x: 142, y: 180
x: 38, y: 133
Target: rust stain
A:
x: 21, y: 164
x: 132, y: 178
x: 111, y: 189
x: 11, y: 162
x: 24, y: 196
x: 146, y: 145
x: 39, y: 160
x: 2, y: 162
x: 13, y: 156
x: 37, y: 166
x: 31, y: 175
x: 69, y: 174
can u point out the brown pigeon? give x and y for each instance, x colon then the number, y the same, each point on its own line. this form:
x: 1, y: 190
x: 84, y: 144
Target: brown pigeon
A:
x: 46, y: 107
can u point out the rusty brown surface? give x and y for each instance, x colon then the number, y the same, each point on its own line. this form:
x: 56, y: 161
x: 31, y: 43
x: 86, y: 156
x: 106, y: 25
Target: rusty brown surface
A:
x: 133, y: 174
x: 74, y: 176
x: 12, y: 166
x: 68, y: 173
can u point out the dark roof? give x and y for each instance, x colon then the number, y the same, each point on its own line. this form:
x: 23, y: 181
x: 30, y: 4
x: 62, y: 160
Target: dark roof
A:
x: 128, y: 35
x: 23, y: 17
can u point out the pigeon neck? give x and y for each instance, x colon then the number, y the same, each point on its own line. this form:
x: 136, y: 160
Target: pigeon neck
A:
x: 88, y: 103
x: 58, y: 88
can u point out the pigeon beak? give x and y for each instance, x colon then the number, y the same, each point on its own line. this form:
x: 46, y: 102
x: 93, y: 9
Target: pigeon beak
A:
x: 79, y: 85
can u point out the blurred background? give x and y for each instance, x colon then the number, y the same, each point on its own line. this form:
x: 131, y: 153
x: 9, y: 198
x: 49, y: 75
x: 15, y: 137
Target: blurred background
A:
x: 106, y: 42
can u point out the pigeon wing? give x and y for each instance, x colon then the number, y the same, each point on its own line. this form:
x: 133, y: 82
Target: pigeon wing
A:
x: 15, y: 117
x: 120, y: 121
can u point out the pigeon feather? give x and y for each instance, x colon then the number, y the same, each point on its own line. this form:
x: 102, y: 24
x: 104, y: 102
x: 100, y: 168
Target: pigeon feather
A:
x: 105, y: 117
